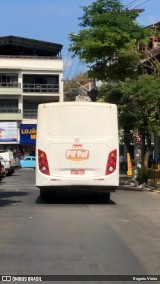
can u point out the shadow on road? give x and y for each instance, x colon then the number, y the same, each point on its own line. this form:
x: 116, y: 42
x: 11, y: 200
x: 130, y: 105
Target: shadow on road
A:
x: 15, y: 175
x: 72, y: 197
x: 6, y: 197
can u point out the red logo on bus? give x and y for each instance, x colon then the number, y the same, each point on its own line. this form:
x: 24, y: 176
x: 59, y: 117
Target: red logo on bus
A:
x: 77, y: 154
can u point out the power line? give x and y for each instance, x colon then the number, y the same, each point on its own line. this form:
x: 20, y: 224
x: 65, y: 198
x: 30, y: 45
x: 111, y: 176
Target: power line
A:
x: 66, y: 61
x: 141, y: 4
x: 128, y: 5
x: 77, y: 69
x: 70, y: 68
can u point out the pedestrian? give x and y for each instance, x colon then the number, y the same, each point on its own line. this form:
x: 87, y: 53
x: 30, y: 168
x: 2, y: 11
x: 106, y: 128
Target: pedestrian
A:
x: 121, y: 162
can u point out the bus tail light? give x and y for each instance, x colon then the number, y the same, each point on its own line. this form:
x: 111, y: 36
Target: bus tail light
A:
x: 43, y: 163
x: 111, y: 163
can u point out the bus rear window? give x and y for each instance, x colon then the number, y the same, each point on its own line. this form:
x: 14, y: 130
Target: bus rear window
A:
x: 80, y: 121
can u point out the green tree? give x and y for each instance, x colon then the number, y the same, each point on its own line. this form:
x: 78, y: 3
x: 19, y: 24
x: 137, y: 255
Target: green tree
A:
x: 108, y: 40
x: 112, y: 92
x: 143, y: 97
x: 139, y: 108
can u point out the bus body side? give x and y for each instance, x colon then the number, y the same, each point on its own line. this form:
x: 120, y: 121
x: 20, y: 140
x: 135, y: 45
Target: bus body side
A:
x: 77, y: 146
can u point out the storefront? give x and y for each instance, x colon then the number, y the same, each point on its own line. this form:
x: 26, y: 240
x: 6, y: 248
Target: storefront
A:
x: 28, y: 139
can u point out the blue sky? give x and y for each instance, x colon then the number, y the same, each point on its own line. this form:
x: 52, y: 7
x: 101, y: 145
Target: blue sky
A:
x: 53, y: 20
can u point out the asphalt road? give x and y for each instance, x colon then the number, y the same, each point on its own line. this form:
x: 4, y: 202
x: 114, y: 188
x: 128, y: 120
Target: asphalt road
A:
x: 77, y: 233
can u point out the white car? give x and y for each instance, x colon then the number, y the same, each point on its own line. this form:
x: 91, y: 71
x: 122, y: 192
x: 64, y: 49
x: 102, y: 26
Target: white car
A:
x: 10, y: 156
x: 2, y: 171
x: 8, y: 164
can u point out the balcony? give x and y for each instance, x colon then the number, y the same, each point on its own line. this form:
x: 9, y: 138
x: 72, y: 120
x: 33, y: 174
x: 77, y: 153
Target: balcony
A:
x: 10, y: 113
x: 30, y: 113
x: 10, y: 85
x: 41, y: 88
x: 10, y: 88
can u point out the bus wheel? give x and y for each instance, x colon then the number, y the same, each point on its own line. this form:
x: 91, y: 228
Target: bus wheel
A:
x: 43, y: 193
x: 107, y: 196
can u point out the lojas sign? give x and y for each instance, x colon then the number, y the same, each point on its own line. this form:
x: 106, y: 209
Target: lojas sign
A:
x: 28, y: 133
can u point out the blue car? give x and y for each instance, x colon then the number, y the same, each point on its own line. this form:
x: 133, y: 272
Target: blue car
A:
x: 28, y: 162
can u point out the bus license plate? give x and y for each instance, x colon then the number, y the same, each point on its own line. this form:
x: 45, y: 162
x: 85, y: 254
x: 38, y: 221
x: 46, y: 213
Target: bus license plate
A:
x: 77, y: 172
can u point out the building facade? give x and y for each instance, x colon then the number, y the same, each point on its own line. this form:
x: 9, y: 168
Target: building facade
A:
x: 31, y: 72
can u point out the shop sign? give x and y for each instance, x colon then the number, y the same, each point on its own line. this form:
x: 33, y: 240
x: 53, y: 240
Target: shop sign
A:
x: 28, y: 133
x: 8, y: 132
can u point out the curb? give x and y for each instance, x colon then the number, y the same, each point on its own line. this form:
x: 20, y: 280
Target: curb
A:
x: 132, y: 188
x: 126, y: 183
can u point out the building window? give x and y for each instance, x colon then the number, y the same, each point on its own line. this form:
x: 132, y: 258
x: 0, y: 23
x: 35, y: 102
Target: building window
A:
x: 8, y: 80
x: 40, y: 83
x: 9, y: 105
x: 30, y: 109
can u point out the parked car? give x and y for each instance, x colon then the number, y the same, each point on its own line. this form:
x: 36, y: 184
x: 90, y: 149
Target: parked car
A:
x: 9, y: 170
x: 2, y: 171
x: 8, y: 157
x: 28, y: 162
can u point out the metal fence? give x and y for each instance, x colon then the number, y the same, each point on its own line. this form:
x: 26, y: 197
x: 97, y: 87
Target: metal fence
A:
x: 10, y: 85
x: 30, y: 113
x: 40, y: 88
x: 9, y: 110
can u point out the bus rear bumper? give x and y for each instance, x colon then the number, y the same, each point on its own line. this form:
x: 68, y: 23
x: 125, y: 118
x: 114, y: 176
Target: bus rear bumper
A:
x: 79, y: 188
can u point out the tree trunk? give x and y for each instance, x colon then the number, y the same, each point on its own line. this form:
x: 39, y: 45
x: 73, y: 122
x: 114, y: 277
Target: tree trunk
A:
x: 142, y: 150
x: 146, y: 157
x: 148, y: 150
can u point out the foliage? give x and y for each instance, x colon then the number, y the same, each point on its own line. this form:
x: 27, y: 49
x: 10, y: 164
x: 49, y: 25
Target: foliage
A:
x: 112, y: 92
x: 151, y: 64
x: 142, y: 176
x: 108, y: 40
x: 71, y: 86
x: 153, y: 174
x: 158, y: 186
x: 141, y: 102
x: 138, y: 105
x: 116, y: 48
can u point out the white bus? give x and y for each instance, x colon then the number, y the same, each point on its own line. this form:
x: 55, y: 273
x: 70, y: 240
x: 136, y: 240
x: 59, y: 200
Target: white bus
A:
x: 77, y: 147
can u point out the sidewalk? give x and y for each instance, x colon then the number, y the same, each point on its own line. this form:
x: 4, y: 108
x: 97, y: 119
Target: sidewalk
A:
x: 127, y: 183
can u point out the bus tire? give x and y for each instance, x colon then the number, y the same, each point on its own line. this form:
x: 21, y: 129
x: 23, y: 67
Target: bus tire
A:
x: 43, y: 193
x: 105, y: 195
x: 108, y: 194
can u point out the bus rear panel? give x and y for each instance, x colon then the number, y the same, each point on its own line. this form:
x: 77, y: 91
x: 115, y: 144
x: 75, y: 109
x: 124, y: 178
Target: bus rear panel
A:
x: 77, y: 146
